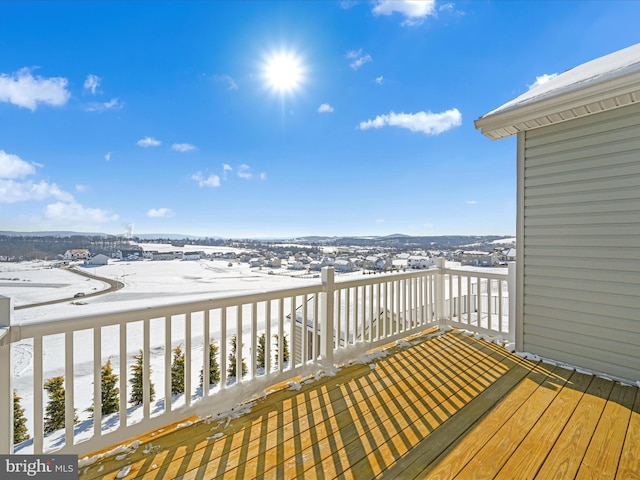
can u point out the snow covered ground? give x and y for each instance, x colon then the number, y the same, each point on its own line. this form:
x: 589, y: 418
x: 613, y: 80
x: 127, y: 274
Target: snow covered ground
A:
x: 147, y: 284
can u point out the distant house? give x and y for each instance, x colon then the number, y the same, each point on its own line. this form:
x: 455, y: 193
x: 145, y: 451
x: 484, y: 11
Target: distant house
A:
x: 344, y: 265
x: 578, y: 213
x: 296, y: 265
x: 478, y: 258
x: 130, y: 255
x: 509, y: 255
x: 98, y: 259
x: 191, y: 256
x: 419, y: 262
x: 256, y: 262
x: 163, y: 256
x: 374, y: 262
x: 77, y: 254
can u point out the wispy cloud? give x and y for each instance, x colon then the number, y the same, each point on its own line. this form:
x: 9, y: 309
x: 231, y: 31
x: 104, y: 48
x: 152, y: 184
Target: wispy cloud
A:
x: 471, y: 202
x: 202, y: 181
x: 12, y: 166
x: 25, y: 90
x: 147, y: 142
x: 74, y: 212
x: 325, y: 108
x: 413, y: 11
x: 226, y: 168
x: 107, y: 156
x: 183, y: 147
x: 227, y: 80
x: 113, y: 104
x: 244, y: 171
x: 263, y: 175
x: 81, y: 188
x: 379, y: 80
x: 92, y: 83
x: 424, y: 122
x: 542, y: 79
x: 347, y: 4
x: 160, y: 213
x: 357, y: 58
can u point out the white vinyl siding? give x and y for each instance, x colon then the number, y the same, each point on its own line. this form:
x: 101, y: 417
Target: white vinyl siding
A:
x: 581, y: 242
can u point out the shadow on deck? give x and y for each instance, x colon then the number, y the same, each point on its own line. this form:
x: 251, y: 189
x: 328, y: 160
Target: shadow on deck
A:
x: 448, y: 407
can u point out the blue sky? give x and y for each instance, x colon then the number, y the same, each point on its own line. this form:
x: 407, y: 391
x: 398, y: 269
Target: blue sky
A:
x: 276, y: 119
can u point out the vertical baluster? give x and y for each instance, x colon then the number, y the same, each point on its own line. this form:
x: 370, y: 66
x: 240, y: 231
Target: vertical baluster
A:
x: 304, y: 330
x: 489, y: 307
x: 167, y: 363
x: 38, y: 415
x: 254, y: 337
x: 206, y: 365
x: 238, y: 344
x: 223, y: 347
x: 280, y: 333
x: 122, y: 330
x: 338, y: 317
x: 347, y: 316
x: 479, y: 300
x: 68, y: 389
x: 267, y: 339
x: 97, y: 381
x: 500, y: 306
x: 316, y: 335
x: 146, y: 368
x: 469, y: 292
x: 293, y: 343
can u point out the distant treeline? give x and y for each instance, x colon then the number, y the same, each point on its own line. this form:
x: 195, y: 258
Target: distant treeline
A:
x: 16, y: 248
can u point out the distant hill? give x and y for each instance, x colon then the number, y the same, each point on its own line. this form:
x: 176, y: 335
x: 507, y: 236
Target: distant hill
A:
x: 441, y: 242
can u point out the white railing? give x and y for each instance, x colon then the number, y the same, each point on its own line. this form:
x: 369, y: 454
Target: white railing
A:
x: 322, y: 325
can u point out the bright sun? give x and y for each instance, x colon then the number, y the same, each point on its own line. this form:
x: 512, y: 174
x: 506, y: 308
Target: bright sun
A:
x: 283, y: 72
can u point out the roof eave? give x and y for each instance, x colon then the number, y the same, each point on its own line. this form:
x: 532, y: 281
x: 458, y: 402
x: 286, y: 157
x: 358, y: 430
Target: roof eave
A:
x: 595, y: 98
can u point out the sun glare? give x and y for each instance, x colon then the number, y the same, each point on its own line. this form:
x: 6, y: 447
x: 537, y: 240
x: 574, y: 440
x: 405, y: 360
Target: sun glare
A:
x: 283, y: 72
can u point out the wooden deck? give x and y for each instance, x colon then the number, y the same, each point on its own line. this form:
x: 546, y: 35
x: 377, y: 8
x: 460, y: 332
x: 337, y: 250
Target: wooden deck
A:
x: 448, y: 407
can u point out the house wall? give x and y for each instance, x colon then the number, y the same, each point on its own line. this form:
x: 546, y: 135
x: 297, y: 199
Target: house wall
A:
x: 579, y: 229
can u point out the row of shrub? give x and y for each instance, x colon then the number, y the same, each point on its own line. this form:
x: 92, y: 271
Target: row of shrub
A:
x: 55, y: 409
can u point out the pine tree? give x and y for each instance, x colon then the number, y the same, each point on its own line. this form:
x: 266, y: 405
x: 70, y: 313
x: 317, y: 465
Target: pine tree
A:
x: 20, y: 433
x: 285, y: 348
x: 137, y: 392
x: 177, y: 371
x: 214, y: 366
x: 110, y: 393
x: 55, y: 411
x: 231, y: 370
x: 260, y: 352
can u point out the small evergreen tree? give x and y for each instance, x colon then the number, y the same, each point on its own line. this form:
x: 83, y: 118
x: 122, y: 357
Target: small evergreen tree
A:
x: 285, y: 348
x: 55, y: 410
x: 260, y: 352
x: 214, y: 366
x: 137, y: 392
x: 20, y: 433
x: 231, y: 370
x: 110, y: 393
x: 177, y: 371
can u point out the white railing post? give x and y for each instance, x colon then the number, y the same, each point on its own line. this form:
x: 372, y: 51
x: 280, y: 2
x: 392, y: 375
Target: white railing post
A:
x: 326, y: 314
x: 6, y: 405
x: 511, y: 281
x: 440, y: 297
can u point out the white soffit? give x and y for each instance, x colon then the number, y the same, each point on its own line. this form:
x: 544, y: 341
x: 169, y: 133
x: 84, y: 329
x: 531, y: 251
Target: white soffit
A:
x: 602, y: 84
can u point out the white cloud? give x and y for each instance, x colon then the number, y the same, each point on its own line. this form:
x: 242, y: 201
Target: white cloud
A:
x: 81, y: 188
x: 263, y: 176
x: 74, y: 212
x: 107, y: 156
x: 244, y: 171
x: 210, y: 181
x: 183, y: 147
x: 231, y: 83
x: 358, y: 59
x: 542, y: 79
x: 471, y: 202
x: 379, y: 220
x: 226, y: 168
x: 325, y: 108
x: 113, y: 104
x: 25, y: 90
x: 347, y: 4
x: 379, y: 80
x: 425, y: 122
x: 12, y: 166
x: 92, y: 83
x: 12, y: 191
x: 149, y: 142
x: 160, y: 213
x: 414, y: 11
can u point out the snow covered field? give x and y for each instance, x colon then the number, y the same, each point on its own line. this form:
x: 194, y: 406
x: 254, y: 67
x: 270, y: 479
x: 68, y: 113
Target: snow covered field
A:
x: 147, y: 284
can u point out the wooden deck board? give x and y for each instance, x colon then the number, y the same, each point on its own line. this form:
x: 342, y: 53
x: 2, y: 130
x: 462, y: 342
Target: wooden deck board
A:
x: 451, y: 405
